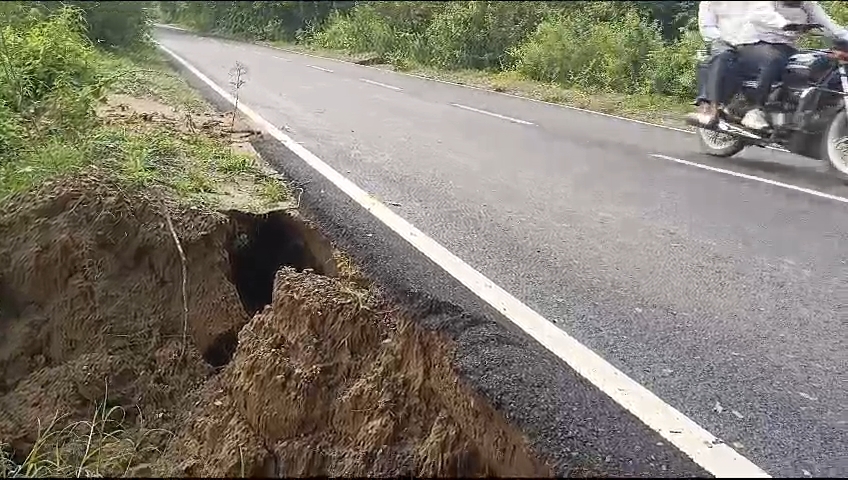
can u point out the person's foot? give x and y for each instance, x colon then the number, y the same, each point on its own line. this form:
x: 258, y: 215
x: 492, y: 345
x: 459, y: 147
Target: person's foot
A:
x: 755, y: 120
x: 705, y: 116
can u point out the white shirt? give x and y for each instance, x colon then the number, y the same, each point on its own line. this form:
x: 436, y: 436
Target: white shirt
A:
x: 741, y: 23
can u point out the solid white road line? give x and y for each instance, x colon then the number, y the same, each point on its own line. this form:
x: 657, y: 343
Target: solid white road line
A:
x: 320, y: 68
x: 752, y: 177
x: 372, y: 82
x: 706, y: 450
x: 484, y: 112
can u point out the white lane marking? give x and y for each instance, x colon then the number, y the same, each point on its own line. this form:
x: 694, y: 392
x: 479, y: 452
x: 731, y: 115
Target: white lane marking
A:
x: 320, y: 68
x: 716, y: 457
x: 281, y: 58
x: 372, y: 82
x: 484, y: 112
x: 752, y: 177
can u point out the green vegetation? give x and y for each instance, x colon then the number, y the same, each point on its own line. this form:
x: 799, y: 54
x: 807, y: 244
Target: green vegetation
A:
x: 635, y: 58
x: 99, y: 447
x: 61, y: 62
x: 81, y: 88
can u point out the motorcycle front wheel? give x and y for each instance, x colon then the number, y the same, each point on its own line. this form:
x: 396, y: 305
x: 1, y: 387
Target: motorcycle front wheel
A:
x: 719, y: 144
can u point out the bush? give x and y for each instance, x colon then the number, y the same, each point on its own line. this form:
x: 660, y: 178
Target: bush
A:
x: 610, y: 55
x: 672, y: 69
x: 11, y: 132
x: 117, y: 24
x: 480, y: 34
x: 113, y: 25
x: 364, y: 30
x: 50, y: 57
x: 49, y: 78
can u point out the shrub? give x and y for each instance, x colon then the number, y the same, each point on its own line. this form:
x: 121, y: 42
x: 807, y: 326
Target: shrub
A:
x: 363, y: 30
x: 480, y: 34
x: 111, y: 24
x: 672, y: 69
x: 117, y: 24
x: 49, y: 76
x: 608, y: 55
x: 11, y: 132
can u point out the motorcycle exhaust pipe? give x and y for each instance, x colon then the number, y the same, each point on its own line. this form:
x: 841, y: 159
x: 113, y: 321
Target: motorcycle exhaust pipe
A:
x: 733, y: 129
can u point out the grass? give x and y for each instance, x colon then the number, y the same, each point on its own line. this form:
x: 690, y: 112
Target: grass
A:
x: 100, y: 447
x: 185, y: 151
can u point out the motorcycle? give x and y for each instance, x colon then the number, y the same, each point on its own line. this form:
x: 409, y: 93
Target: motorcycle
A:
x: 806, y: 110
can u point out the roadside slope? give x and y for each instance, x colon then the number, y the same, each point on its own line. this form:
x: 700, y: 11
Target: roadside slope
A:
x: 167, y: 287
x: 709, y: 239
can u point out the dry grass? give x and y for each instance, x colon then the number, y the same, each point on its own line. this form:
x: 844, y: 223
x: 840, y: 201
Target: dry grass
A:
x: 100, y: 447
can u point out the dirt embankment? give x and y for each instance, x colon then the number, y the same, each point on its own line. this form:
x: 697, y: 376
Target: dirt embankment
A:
x: 271, y: 364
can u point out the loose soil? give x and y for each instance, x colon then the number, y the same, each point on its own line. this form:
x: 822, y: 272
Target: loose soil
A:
x: 271, y: 363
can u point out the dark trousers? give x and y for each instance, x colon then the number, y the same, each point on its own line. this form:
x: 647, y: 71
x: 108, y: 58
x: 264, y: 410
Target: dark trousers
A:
x: 770, y: 60
x: 717, y: 74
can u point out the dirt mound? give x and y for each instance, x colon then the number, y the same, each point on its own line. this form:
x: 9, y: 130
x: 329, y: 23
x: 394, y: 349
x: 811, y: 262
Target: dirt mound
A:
x: 90, y: 282
x: 322, y: 384
x: 324, y: 380
x: 126, y: 110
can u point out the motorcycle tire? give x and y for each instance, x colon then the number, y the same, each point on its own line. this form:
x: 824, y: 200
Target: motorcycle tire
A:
x: 727, y: 146
x: 834, y: 146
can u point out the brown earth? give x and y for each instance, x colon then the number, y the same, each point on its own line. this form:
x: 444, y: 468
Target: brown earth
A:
x: 325, y: 380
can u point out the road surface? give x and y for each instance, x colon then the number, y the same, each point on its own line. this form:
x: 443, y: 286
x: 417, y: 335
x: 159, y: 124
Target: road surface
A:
x: 725, y: 296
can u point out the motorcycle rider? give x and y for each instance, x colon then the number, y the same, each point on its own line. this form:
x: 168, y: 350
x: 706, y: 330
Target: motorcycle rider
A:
x: 716, y: 73
x: 765, y: 39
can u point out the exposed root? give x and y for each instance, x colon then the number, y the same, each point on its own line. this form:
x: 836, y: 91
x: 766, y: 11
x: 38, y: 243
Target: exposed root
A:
x: 183, y: 277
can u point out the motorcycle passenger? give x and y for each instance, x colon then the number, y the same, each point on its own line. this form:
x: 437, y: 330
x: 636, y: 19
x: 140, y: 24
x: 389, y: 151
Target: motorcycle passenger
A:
x: 764, y: 41
x: 716, y: 75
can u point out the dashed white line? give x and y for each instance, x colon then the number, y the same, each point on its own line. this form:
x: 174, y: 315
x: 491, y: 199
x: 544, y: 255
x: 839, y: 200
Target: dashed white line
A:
x: 281, y: 58
x: 715, y: 456
x: 497, y: 115
x: 320, y: 68
x: 372, y: 82
x: 755, y: 178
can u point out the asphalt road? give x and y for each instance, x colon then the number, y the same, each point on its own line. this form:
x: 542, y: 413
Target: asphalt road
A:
x: 724, y: 296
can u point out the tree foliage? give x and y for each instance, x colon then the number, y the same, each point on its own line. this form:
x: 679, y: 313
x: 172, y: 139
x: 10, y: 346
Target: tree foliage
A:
x: 51, y: 77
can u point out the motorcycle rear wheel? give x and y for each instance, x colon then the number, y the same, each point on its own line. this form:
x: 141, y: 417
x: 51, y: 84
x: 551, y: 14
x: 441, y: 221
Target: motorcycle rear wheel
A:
x: 835, y: 145
x: 719, y: 144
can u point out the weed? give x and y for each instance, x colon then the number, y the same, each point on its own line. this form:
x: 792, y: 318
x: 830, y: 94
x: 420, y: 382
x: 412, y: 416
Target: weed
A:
x: 102, y: 446
x: 237, y: 80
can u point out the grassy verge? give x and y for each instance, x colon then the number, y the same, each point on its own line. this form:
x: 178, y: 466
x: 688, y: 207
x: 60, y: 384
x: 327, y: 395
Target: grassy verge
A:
x: 647, y: 108
x: 154, y: 130
x: 151, y: 131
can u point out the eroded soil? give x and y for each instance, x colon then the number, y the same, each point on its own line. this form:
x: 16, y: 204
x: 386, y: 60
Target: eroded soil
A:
x: 271, y: 366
